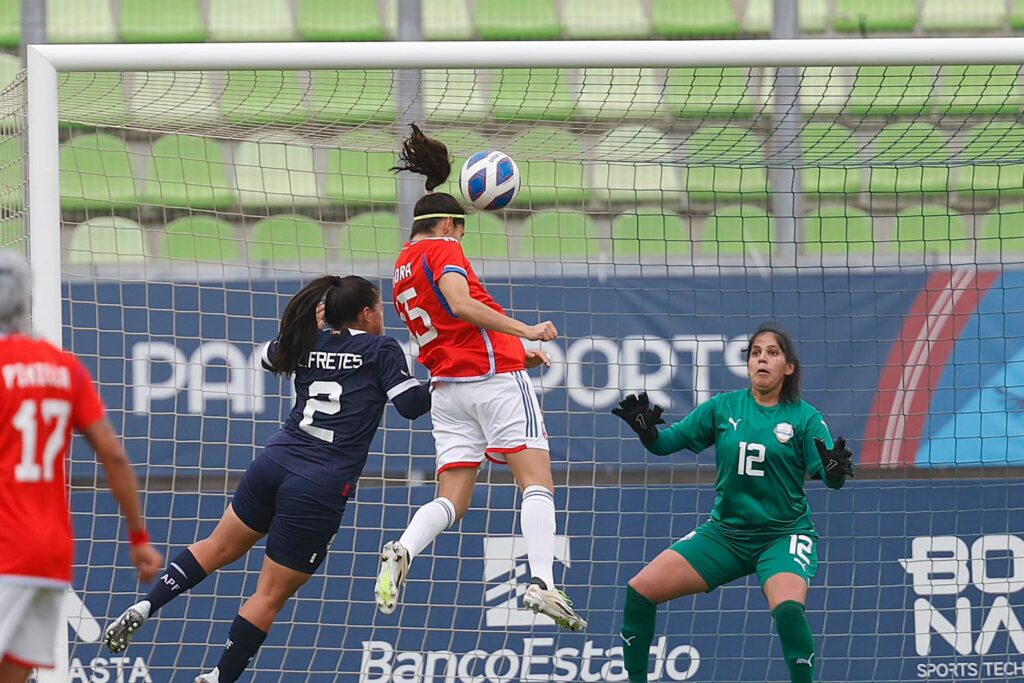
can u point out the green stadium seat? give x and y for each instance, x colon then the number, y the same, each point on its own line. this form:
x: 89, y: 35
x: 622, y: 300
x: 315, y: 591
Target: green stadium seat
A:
x: 10, y: 23
x: 979, y: 89
x: 80, y: 21
x: 1002, y: 231
x: 871, y: 16
x: 758, y: 18
x: 694, y: 19
x: 355, y: 96
x: 550, y: 166
x: 462, y: 143
x: 891, y: 91
x: 107, y: 239
x: 709, y: 92
x: 824, y: 91
x: 1017, y: 15
x: 559, y: 235
x: 169, y: 98
x: 188, y: 171
x: 446, y: 20
x: 485, y: 237
x: 838, y: 230
x: 975, y: 16
x: 532, y: 95
x: 649, y: 233
x: 92, y: 99
x: 12, y: 173
x: 899, y: 145
x: 372, y: 236
x: 287, y: 238
x: 96, y: 172
x: 199, y: 238
x: 250, y: 21
x: 13, y: 235
x: 257, y: 98
x: 523, y: 20
x: 633, y: 167
x: 358, y: 169
x: 724, y: 163
x: 453, y: 95
x: 995, y: 152
x: 275, y: 174
x: 162, y: 21
x: 10, y: 65
x: 340, y: 20
x: 831, y: 155
x: 619, y: 94
x: 604, y: 19
x: 738, y: 230
x: 930, y: 230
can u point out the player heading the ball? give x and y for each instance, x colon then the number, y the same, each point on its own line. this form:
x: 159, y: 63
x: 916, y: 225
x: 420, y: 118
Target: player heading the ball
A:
x: 484, y: 404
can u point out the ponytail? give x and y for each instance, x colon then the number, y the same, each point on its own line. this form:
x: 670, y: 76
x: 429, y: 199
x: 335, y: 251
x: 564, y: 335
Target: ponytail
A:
x: 429, y: 157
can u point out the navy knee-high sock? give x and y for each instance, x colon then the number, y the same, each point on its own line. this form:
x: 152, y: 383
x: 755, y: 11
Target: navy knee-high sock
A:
x: 182, y: 573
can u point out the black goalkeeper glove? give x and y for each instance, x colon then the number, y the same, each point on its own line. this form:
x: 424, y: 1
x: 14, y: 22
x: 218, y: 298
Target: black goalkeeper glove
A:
x: 838, y: 461
x: 641, y: 416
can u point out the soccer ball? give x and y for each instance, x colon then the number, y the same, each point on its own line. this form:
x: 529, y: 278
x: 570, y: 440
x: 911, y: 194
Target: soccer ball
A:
x: 489, y: 180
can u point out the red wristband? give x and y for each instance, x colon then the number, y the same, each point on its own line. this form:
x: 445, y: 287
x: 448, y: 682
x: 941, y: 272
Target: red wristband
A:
x: 140, y: 537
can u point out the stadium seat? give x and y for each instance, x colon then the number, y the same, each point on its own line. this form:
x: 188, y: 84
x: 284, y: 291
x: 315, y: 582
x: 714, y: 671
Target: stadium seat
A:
x: 80, y: 21
x: 372, y: 236
x: 10, y: 23
x: 275, y: 174
x: 549, y: 161
x: 648, y: 233
x: 12, y: 234
x: 354, y: 96
x: 831, y: 155
x: 909, y: 158
x: 758, y: 18
x: 1017, y: 15
x: 523, y: 20
x: 10, y: 65
x: 107, y: 239
x: 931, y: 230
x: 446, y: 20
x: 995, y: 152
x: 633, y: 167
x: 694, y: 19
x: 838, y: 230
x: 979, y: 89
x: 250, y: 21
x: 358, y: 169
x: 453, y: 95
x: 92, y: 99
x: 199, y: 238
x: 738, y: 230
x: 559, y: 235
x: 162, y: 21
x: 256, y: 98
x: 619, y: 94
x: 485, y: 237
x: 975, y: 16
x: 340, y: 20
x: 604, y: 19
x: 96, y: 172
x: 891, y: 91
x: 709, y: 92
x: 871, y: 16
x: 287, y: 238
x: 172, y: 98
x: 724, y: 163
x: 12, y: 173
x: 1002, y: 232
x: 531, y: 95
x: 461, y: 143
x: 188, y: 171
x: 823, y: 90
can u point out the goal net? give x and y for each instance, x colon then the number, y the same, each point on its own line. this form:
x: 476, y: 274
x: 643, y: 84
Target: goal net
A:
x: 667, y: 209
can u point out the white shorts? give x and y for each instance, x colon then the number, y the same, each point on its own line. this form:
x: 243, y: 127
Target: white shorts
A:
x: 489, y: 418
x: 29, y: 618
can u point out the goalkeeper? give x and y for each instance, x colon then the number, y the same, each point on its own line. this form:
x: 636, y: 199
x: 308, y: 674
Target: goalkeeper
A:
x: 766, y: 441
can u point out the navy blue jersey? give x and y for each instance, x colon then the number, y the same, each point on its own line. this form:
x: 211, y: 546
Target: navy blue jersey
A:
x: 341, y: 389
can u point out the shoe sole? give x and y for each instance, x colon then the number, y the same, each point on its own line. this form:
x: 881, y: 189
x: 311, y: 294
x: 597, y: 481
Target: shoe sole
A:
x: 385, y: 584
x: 565, y: 622
x: 123, y: 631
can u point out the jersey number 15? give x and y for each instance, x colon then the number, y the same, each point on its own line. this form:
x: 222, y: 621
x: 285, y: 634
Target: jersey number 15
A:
x: 408, y: 313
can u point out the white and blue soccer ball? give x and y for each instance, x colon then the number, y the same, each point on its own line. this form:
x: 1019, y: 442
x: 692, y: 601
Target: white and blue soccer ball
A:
x: 489, y: 180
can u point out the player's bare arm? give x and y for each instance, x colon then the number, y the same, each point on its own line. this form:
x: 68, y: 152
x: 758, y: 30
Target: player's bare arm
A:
x: 456, y: 291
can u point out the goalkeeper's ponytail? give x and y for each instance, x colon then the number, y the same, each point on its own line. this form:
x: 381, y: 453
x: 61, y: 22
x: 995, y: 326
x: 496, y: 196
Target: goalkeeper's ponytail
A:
x: 429, y: 157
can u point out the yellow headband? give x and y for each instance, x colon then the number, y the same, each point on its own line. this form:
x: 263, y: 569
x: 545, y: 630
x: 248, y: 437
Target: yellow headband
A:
x: 438, y: 215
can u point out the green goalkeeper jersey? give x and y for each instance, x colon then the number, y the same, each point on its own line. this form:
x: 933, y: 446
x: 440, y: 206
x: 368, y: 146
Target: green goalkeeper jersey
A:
x: 763, y: 456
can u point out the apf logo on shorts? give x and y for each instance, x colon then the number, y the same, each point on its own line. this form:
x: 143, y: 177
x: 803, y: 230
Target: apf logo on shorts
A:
x: 505, y: 564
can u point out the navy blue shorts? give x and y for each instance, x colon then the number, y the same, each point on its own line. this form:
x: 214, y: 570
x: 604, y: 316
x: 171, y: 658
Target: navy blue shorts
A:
x: 292, y: 512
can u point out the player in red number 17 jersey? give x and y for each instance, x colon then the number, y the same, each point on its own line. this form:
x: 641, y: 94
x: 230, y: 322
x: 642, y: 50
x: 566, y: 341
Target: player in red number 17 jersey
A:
x: 483, y: 404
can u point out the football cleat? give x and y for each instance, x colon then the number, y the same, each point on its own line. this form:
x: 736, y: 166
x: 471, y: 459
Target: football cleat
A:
x: 209, y: 677
x: 553, y: 603
x: 121, y: 630
x: 394, y: 565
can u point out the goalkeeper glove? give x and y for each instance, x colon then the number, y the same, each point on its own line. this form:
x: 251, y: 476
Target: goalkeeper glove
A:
x: 838, y: 461
x: 641, y: 416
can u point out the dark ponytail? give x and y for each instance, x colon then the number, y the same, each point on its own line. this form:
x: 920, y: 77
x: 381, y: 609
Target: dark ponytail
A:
x: 344, y: 299
x: 428, y: 157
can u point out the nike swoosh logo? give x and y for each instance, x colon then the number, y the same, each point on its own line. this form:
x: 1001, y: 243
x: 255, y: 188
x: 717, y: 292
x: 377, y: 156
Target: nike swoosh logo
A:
x: 179, y: 570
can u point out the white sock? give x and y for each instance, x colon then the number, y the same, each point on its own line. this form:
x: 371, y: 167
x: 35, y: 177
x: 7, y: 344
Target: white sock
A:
x: 427, y: 524
x: 537, y: 520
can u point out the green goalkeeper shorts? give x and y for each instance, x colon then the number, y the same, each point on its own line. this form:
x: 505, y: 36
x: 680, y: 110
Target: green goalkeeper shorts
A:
x: 720, y: 559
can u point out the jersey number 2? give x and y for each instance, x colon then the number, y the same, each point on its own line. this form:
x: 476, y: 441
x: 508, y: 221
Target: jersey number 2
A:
x: 324, y: 398
x: 751, y: 454
x: 25, y: 422
x: 410, y: 313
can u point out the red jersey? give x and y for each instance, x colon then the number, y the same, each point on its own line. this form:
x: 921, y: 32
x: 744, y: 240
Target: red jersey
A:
x: 46, y: 393
x: 452, y: 349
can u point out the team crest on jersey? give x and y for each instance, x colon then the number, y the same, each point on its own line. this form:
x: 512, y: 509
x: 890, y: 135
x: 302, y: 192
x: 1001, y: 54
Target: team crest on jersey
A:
x: 784, y: 432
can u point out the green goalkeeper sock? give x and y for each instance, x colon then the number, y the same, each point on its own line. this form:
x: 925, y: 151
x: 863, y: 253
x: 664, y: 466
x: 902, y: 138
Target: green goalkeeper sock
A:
x: 637, y: 634
x: 797, y: 641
